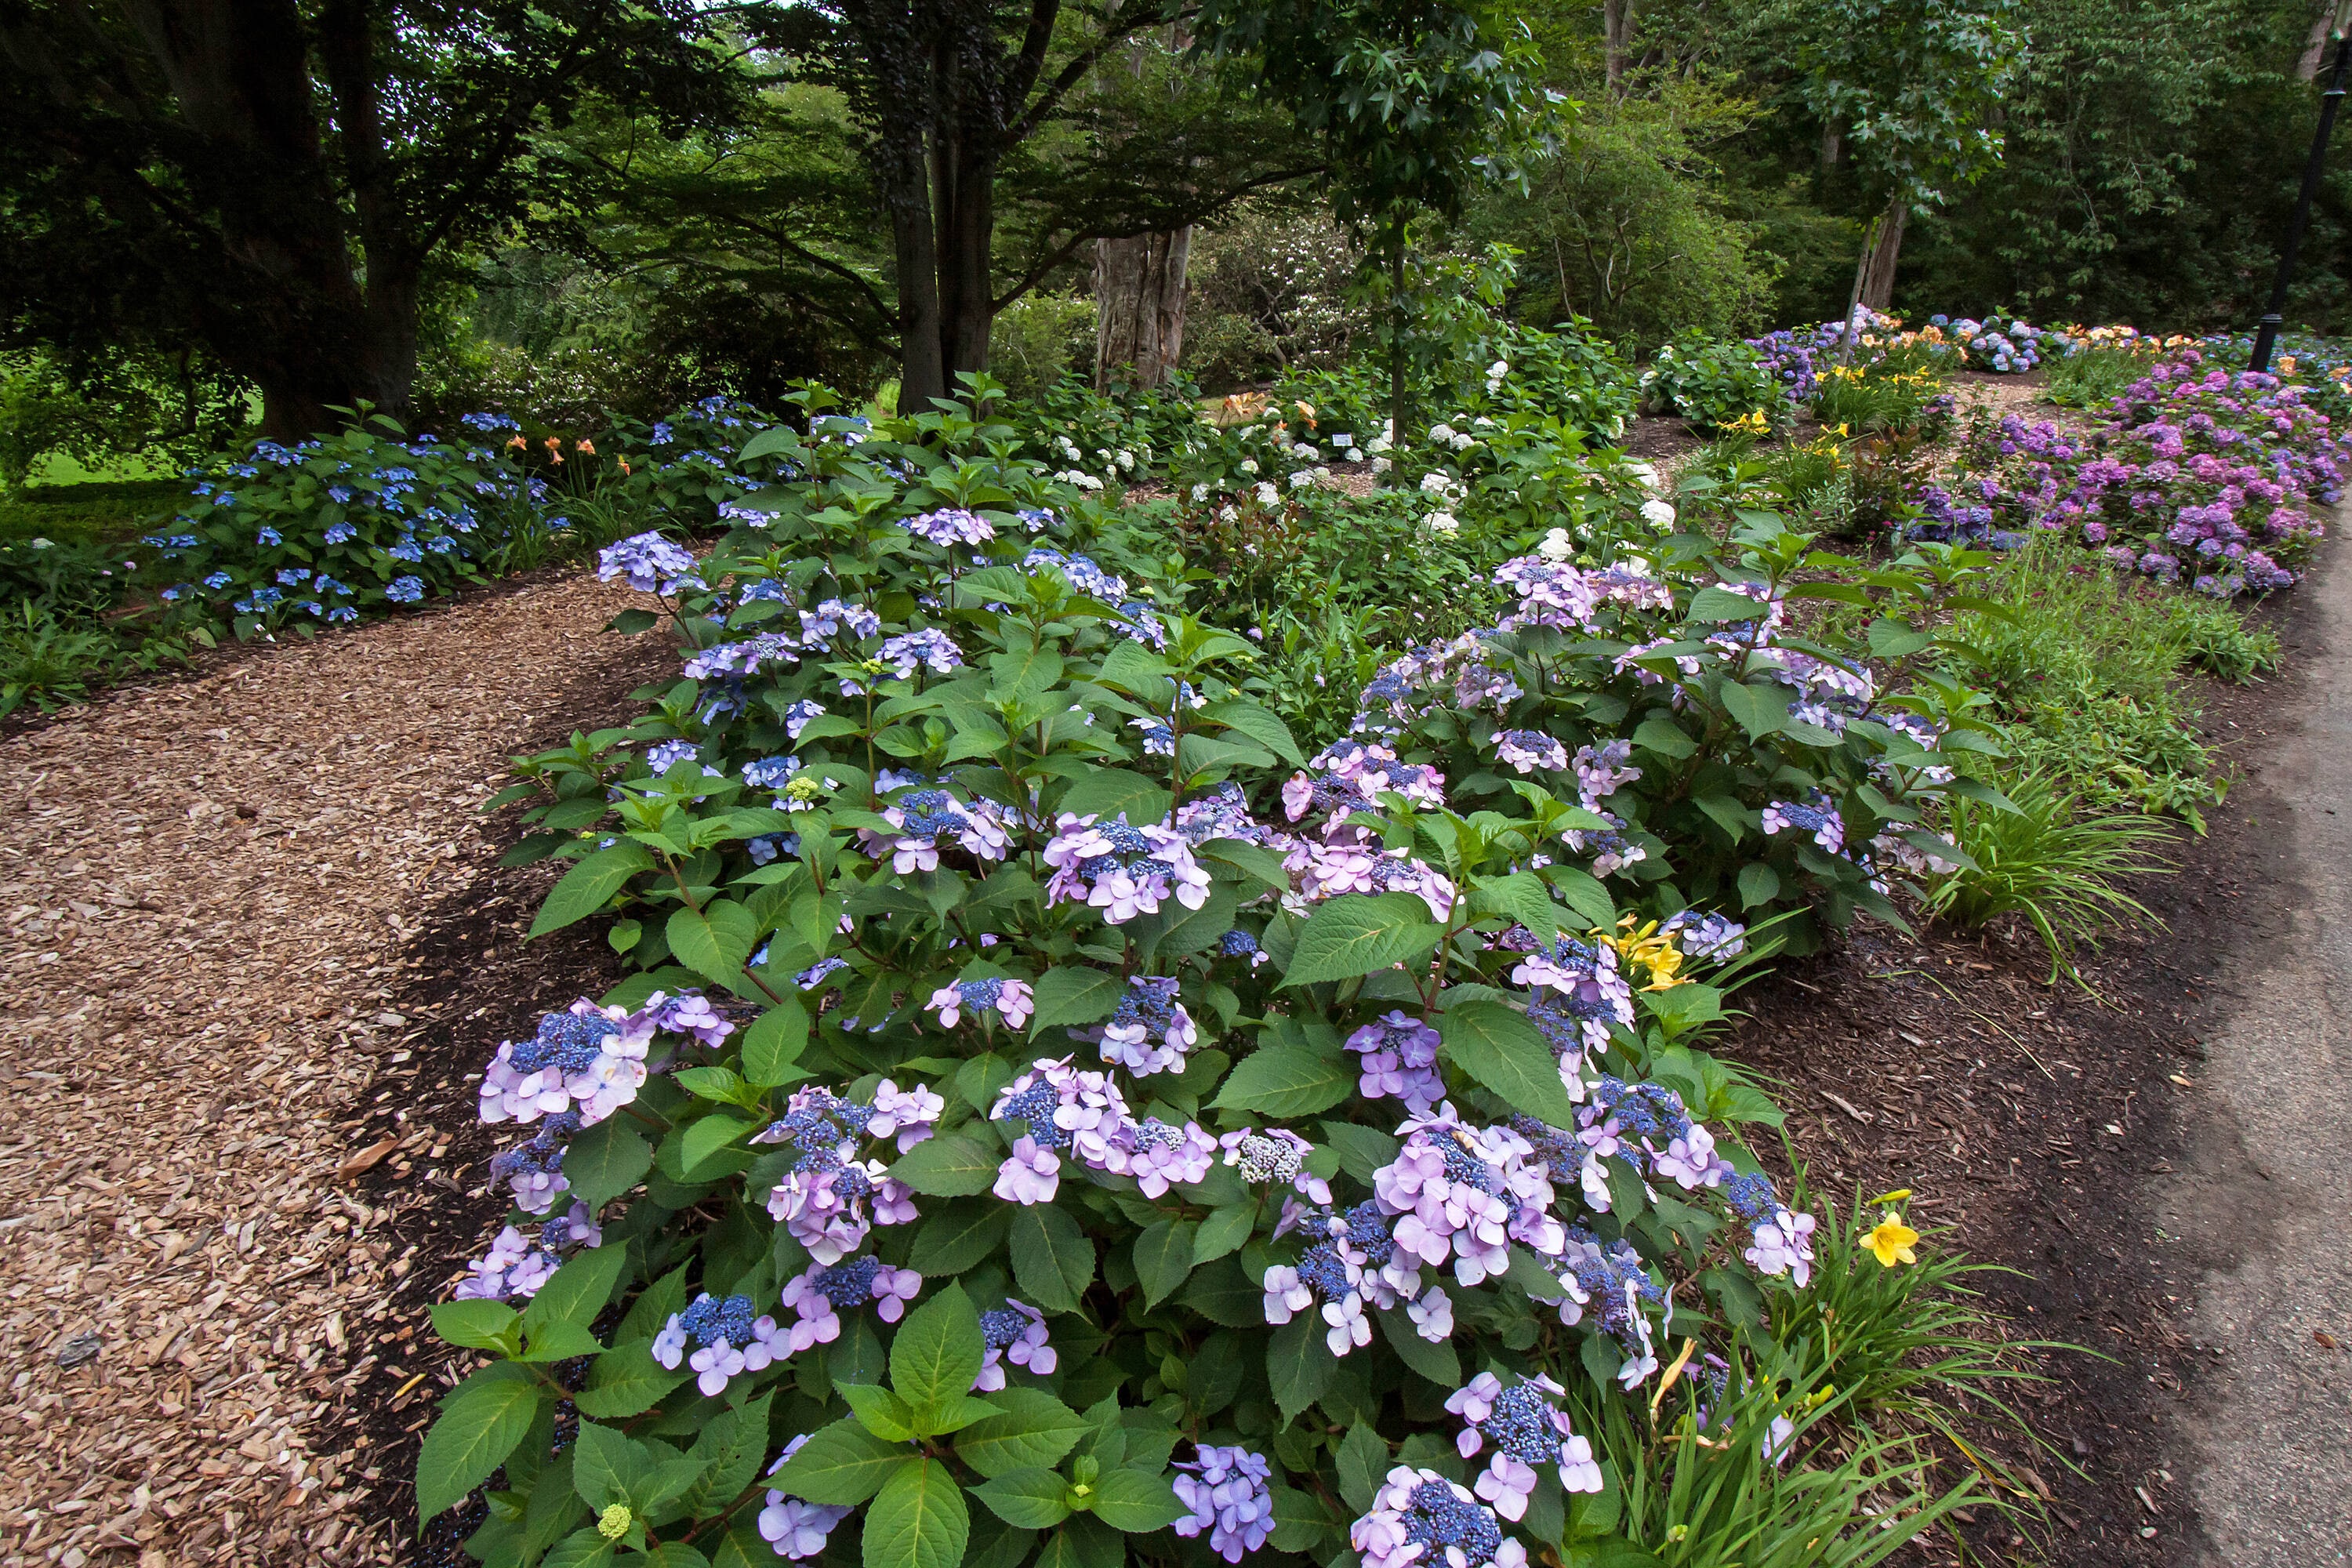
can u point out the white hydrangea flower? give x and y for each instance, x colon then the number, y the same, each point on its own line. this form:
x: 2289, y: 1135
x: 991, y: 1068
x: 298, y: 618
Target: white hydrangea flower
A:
x: 1658, y: 513
x: 1556, y: 545
x: 1445, y: 523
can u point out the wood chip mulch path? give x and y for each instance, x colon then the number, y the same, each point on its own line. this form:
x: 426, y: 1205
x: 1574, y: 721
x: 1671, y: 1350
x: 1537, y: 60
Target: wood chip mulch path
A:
x: 205, y: 888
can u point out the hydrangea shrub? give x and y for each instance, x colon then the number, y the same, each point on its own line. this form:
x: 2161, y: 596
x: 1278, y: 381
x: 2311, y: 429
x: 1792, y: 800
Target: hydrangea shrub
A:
x: 2197, y: 475
x: 1713, y: 383
x: 338, y: 525
x: 1057, y: 1117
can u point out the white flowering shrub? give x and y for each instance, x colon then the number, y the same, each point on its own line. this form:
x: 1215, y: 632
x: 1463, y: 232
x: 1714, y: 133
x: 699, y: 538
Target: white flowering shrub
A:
x: 1715, y: 384
x: 1055, y: 1118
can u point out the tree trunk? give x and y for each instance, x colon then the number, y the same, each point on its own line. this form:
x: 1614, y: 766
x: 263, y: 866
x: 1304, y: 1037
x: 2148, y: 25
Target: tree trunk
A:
x: 2315, y: 45
x: 241, y: 81
x: 1617, y: 34
x: 1878, y: 273
x: 967, y: 229
x: 1397, y: 410
x: 907, y: 204
x: 1847, y: 332
x: 1139, y: 290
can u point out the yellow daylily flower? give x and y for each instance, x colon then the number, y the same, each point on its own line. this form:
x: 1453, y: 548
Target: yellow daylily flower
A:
x: 1891, y: 1242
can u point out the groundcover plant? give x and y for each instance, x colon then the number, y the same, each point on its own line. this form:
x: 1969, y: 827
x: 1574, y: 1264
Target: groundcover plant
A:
x: 1056, y: 1117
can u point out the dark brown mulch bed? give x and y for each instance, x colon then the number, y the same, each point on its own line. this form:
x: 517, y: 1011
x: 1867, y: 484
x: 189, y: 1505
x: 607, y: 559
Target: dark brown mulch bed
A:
x: 469, y: 981
x: 1651, y: 436
x: 2031, y: 1118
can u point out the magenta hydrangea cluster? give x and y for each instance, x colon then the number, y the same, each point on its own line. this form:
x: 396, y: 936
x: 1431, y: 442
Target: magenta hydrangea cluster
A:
x: 2197, y: 475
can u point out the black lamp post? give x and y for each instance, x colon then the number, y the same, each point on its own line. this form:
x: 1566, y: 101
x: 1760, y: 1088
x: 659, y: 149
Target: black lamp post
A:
x: 2266, y: 337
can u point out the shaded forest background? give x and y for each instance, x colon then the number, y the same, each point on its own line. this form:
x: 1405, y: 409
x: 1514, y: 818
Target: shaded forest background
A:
x: 577, y: 210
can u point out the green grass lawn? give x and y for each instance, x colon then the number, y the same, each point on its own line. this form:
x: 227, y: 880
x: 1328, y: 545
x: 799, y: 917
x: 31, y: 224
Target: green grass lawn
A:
x: 95, y: 511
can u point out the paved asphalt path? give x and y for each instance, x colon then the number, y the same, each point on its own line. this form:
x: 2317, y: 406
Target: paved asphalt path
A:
x: 2265, y: 1200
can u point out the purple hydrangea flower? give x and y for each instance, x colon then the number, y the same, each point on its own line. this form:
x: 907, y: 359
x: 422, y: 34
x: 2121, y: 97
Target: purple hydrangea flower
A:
x: 794, y: 1528
x: 832, y: 617
x: 1399, y: 1062
x: 1820, y: 819
x: 1080, y: 1114
x: 726, y: 1341
x: 1525, y: 1428
x: 589, y: 1059
x: 1121, y: 870
x: 1528, y: 750
x: 1420, y: 1517
x: 1226, y: 1489
x: 819, y: 1296
x: 949, y: 526
x: 1016, y: 1335
x: 1275, y: 1154
x: 930, y: 819
x: 1150, y: 1031
x: 832, y: 1197
x: 914, y: 650
x: 767, y: 650
x: 649, y: 563
x: 1011, y: 999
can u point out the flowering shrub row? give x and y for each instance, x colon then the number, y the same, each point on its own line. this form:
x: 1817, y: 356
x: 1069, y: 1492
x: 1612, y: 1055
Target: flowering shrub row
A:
x: 2197, y: 474
x: 1047, y: 1084
x: 342, y: 524
x: 376, y: 518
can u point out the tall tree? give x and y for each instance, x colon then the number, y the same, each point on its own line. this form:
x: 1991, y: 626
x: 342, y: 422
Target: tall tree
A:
x: 1413, y: 103
x: 979, y: 115
x: 277, y: 178
x: 1911, y: 89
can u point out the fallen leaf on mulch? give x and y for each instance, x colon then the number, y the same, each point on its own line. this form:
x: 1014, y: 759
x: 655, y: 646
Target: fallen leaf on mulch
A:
x: 367, y: 1159
x: 1848, y: 1107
